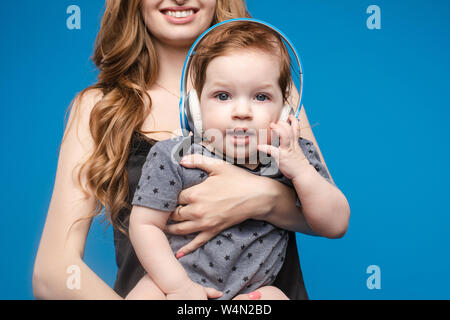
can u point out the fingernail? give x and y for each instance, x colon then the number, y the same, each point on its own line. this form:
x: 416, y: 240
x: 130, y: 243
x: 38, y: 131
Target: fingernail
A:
x: 185, y: 160
x: 255, y: 295
x: 179, y: 255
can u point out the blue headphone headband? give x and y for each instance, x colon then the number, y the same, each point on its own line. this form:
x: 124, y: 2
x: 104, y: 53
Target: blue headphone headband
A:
x: 184, y: 94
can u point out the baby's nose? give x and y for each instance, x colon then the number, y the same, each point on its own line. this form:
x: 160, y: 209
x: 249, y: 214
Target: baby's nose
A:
x: 242, y: 110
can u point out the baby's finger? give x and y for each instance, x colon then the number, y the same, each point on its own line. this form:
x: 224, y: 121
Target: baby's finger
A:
x: 213, y: 293
x: 282, y: 133
x: 269, y: 150
x: 197, y: 242
x: 295, y: 124
x: 287, y: 127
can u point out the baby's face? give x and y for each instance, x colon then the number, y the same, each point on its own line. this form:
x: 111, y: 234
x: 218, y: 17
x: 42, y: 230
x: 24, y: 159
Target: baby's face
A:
x: 240, y: 98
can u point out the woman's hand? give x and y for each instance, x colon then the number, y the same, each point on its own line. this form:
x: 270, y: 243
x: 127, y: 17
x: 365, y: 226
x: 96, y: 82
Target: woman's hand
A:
x: 229, y: 196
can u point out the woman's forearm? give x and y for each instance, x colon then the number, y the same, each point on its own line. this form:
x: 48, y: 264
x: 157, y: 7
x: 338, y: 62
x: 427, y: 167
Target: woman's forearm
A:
x: 324, y: 212
x: 63, y: 278
x: 283, y: 211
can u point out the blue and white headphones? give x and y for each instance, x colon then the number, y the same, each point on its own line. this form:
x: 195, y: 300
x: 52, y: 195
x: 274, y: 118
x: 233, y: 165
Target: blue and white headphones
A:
x: 190, y: 114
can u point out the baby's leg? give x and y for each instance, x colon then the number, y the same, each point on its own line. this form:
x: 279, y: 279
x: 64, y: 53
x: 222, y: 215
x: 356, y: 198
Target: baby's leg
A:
x: 146, y: 289
x: 267, y: 293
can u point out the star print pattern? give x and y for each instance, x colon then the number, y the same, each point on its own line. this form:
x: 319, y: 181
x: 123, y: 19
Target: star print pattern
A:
x: 158, y: 178
x: 213, y: 270
x: 251, y: 248
x: 245, y: 256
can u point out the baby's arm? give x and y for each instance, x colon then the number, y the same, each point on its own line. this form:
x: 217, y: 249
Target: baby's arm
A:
x: 156, y: 256
x: 324, y: 206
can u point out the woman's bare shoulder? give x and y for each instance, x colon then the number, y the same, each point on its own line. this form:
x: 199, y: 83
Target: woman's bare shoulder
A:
x: 85, y: 101
x: 80, y: 114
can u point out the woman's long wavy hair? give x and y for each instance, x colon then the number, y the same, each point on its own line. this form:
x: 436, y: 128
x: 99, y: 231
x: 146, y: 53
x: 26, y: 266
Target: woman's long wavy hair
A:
x: 127, y: 63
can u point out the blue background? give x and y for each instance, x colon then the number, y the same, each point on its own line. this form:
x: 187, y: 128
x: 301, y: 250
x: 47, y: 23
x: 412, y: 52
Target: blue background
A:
x: 379, y: 100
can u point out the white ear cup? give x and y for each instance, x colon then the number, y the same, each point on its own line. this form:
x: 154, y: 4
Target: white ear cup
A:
x: 285, y: 112
x: 195, y: 113
x: 284, y: 115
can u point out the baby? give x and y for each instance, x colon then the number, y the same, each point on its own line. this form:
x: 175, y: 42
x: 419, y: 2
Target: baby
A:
x: 241, y: 73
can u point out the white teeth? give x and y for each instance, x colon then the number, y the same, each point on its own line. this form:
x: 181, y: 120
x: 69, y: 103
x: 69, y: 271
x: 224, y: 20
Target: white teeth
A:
x: 180, y: 14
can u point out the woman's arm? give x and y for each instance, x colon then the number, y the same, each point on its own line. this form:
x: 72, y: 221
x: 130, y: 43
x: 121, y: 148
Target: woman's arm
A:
x: 62, y: 245
x: 307, y: 133
x: 241, y: 195
x: 283, y: 211
x: 231, y: 195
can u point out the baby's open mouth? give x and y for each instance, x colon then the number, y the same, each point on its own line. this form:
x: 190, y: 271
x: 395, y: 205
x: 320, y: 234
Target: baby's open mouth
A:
x: 240, y: 132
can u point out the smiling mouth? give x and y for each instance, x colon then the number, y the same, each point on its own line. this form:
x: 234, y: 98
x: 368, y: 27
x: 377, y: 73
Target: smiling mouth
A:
x: 179, y: 13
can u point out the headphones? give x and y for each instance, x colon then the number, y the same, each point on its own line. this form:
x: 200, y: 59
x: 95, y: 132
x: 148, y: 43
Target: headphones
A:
x: 190, y: 114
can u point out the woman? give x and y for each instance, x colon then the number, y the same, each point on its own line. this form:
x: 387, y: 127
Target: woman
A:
x: 140, y: 51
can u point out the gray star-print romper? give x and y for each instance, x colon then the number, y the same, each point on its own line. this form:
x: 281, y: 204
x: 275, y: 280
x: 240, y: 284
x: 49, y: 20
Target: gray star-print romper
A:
x: 241, y: 258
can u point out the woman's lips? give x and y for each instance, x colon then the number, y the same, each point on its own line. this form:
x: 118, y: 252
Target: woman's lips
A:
x: 180, y: 15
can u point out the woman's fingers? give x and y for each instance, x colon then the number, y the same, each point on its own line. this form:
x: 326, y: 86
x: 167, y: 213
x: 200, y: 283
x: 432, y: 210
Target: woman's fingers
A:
x: 263, y: 293
x: 176, y: 215
x: 254, y: 295
x: 212, y: 293
x: 197, y: 242
x: 202, y: 162
x: 182, y: 228
x: 186, y: 212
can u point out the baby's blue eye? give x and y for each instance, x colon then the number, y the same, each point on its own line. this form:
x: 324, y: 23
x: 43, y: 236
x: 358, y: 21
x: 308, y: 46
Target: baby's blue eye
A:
x: 261, y: 97
x: 222, y: 96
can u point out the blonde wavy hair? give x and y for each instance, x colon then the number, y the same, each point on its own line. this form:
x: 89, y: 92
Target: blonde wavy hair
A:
x: 127, y: 63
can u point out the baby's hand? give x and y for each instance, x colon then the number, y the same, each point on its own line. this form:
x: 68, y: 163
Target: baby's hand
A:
x: 193, y: 291
x: 289, y: 155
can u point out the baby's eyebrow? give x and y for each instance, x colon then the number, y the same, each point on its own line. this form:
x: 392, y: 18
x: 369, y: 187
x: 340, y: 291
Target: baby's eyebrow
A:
x: 219, y: 83
x: 266, y: 86
x: 228, y: 84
